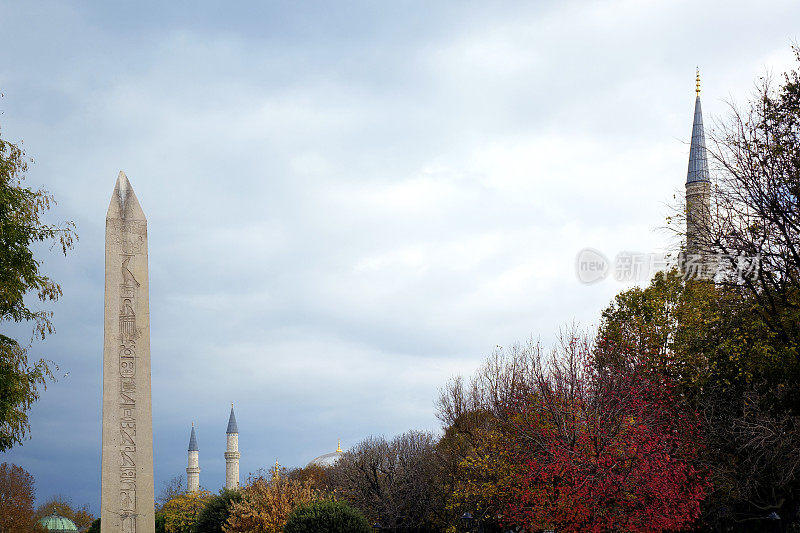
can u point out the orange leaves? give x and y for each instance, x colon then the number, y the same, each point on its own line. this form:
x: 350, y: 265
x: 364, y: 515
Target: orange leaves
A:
x: 16, y: 498
x: 266, y: 504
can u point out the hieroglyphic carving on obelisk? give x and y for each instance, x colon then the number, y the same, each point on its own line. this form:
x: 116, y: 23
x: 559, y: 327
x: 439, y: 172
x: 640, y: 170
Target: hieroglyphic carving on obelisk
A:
x: 127, y: 457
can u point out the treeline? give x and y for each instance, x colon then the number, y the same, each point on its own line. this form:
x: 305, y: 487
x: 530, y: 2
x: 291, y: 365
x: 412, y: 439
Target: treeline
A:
x: 535, y: 440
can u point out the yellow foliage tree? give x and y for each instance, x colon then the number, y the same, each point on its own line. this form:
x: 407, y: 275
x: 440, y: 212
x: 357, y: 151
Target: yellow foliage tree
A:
x: 488, y: 473
x: 266, y: 504
x: 480, y: 470
x: 180, y: 512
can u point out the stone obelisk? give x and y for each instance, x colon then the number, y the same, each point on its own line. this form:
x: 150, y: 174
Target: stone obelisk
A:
x: 127, y: 458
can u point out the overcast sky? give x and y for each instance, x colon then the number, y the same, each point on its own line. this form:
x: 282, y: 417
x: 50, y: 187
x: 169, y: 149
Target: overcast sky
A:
x: 348, y: 202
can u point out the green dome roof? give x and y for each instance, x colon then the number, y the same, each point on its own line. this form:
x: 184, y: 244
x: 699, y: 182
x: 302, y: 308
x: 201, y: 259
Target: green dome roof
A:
x: 57, y: 524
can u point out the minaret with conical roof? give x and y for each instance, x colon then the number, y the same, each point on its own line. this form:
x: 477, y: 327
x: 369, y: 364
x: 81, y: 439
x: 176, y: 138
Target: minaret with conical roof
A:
x: 193, y: 468
x: 698, y: 194
x: 232, y: 454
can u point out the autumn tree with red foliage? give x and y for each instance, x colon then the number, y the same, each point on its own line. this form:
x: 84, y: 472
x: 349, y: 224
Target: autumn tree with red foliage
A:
x: 600, y: 450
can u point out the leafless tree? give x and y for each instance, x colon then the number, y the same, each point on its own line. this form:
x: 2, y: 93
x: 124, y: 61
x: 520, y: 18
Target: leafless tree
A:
x: 504, y: 376
x: 170, y: 489
x: 393, y: 482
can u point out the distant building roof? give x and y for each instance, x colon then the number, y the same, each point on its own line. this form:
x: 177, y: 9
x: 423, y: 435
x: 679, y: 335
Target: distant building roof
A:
x: 193, y: 441
x: 232, y: 427
x: 57, y: 524
x: 329, y: 459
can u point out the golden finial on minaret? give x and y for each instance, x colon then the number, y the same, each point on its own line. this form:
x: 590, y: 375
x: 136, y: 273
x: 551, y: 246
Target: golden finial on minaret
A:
x: 192, y: 423
x: 697, y: 87
x: 339, y: 446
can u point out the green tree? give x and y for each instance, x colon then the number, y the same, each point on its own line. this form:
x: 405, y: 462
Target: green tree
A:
x: 656, y: 327
x: 161, y: 522
x: 95, y: 527
x: 216, y: 512
x: 326, y: 516
x: 22, y: 228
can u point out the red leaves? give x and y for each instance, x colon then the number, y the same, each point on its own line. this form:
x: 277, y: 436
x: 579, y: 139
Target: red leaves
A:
x: 602, y: 450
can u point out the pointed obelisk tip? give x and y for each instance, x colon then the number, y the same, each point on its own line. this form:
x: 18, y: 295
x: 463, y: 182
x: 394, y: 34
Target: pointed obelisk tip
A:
x: 124, y: 203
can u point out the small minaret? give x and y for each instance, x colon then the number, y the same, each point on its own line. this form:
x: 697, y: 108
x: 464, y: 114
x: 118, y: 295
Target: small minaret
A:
x: 232, y: 454
x: 698, y: 198
x: 193, y: 469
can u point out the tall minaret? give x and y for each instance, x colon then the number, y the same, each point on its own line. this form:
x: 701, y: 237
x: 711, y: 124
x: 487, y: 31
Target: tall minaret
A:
x: 698, y: 194
x: 232, y: 454
x: 193, y: 469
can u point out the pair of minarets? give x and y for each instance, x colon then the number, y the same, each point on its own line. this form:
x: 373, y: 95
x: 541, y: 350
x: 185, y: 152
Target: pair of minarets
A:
x: 231, y: 458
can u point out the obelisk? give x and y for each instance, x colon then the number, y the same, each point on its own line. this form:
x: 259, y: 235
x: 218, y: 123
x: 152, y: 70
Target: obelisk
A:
x: 127, y: 458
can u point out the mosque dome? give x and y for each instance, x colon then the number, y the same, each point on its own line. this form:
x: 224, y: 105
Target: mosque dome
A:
x: 57, y: 524
x: 329, y: 459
